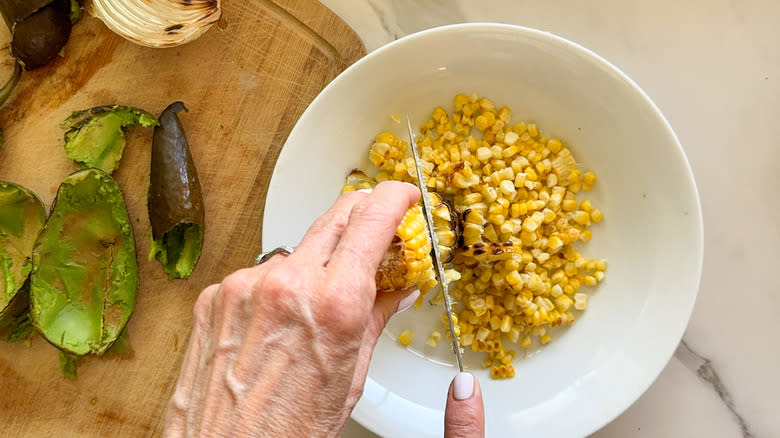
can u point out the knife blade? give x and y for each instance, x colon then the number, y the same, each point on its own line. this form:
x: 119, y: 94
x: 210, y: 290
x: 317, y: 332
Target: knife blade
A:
x: 426, y: 207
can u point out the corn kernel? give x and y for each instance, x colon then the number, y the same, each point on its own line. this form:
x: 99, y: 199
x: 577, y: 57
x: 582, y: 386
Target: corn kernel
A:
x: 586, y: 206
x: 589, y: 178
x: 554, y: 145
x: 569, y: 205
x: 586, y: 235
x: 406, y: 336
x: 596, y: 215
x: 580, y: 301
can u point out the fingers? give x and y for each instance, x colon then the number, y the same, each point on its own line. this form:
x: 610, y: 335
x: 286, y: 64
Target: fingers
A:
x: 371, y: 226
x: 464, y: 416
x: 192, y: 372
x: 323, y: 235
x: 389, y: 303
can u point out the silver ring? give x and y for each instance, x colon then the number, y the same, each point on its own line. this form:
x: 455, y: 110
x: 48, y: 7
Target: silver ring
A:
x: 264, y: 257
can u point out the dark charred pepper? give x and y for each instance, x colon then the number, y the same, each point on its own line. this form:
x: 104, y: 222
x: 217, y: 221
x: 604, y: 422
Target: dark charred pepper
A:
x: 39, y: 29
x: 84, y: 276
x: 175, y: 200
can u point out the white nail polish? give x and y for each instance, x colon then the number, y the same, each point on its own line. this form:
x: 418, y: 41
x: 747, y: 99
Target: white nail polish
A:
x: 408, y: 301
x: 463, y: 386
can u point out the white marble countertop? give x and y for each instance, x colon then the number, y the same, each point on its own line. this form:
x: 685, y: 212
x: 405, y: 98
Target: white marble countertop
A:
x: 713, y: 67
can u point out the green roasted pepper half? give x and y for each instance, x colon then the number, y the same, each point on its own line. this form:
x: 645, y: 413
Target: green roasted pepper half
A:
x: 21, y: 219
x: 175, y: 199
x: 96, y: 137
x: 85, y: 276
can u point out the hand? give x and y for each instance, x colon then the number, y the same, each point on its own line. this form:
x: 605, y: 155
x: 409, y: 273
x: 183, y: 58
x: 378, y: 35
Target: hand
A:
x: 464, y: 416
x: 283, y: 348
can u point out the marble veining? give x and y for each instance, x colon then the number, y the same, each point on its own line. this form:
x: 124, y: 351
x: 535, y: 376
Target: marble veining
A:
x: 705, y: 369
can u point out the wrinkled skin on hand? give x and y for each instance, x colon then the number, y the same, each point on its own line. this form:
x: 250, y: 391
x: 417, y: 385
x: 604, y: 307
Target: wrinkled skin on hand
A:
x: 283, y: 348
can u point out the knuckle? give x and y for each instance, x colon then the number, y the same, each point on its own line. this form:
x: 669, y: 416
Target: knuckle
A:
x: 367, y: 210
x: 279, y: 281
x: 235, y: 287
x: 279, y: 290
x: 344, y: 309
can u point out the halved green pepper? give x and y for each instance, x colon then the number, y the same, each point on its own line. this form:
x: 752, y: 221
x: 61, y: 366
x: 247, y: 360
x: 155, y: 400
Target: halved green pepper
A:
x: 21, y: 219
x: 85, y: 275
x: 175, y: 199
x: 96, y: 137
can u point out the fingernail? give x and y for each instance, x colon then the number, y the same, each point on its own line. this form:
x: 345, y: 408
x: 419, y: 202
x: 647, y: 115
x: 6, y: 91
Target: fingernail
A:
x: 364, y: 190
x: 463, y: 386
x: 408, y: 301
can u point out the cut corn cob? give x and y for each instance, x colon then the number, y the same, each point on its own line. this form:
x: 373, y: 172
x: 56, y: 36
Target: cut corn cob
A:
x: 408, y: 262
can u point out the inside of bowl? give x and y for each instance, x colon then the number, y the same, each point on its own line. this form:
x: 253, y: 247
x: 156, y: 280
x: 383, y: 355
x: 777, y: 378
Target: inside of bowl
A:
x: 650, y: 234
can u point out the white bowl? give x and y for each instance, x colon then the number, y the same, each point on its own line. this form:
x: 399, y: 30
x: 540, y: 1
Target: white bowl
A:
x: 651, y: 234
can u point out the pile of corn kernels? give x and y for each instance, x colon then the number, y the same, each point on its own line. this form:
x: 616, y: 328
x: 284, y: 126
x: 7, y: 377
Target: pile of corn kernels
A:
x: 516, y: 192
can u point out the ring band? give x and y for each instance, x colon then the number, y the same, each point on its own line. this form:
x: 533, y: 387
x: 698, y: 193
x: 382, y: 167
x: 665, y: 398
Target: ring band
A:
x: 264, y: 257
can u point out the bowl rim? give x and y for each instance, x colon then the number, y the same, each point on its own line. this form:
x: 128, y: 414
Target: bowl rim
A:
x: 359, y: 414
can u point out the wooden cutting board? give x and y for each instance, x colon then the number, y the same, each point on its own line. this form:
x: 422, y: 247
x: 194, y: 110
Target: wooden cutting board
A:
x: 245, y: 83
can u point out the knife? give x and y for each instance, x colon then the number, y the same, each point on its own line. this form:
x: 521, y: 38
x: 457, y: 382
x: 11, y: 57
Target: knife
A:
x: 426, y: 207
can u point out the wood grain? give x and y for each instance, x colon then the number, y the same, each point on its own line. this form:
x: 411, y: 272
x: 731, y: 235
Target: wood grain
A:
x: 245, y: 85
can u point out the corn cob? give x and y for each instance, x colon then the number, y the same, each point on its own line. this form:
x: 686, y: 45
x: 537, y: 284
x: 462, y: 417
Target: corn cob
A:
x: 408, y: 263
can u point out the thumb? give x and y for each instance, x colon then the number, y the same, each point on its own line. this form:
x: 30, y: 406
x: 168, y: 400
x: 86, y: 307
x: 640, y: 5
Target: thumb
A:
x: 464, y: 416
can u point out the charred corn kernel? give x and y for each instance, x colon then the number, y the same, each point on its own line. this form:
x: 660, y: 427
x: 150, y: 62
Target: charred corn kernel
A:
x: 405, y: 338
x: 596, y: 215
